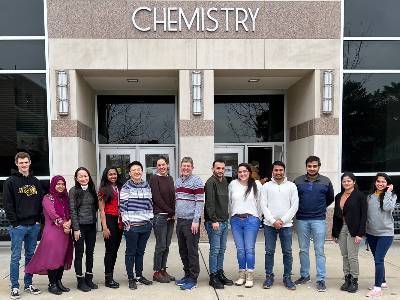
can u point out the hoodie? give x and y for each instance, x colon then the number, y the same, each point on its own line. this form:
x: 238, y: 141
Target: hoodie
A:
x: 22, y: 199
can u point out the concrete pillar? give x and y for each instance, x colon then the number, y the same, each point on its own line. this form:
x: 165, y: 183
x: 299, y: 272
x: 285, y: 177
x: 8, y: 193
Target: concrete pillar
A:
x: 196, y: 133
x: 73, y: 136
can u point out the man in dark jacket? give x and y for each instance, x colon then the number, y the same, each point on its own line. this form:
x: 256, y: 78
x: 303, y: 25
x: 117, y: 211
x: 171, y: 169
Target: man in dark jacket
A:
x: 216, y: 222
x: 315, y: 195
x: 23, y: 206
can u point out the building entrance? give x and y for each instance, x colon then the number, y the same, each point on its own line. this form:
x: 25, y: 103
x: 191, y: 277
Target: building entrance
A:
x: 121, y: 156
x: 259, y: 156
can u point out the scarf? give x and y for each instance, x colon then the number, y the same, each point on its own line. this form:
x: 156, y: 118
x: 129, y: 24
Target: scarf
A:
x: 61, y: 201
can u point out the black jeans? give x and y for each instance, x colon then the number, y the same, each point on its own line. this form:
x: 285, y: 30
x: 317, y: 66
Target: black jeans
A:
x: 188, y: 248
x: 163, y: 229
x: 88, y: 239
x: 136, y: 241
x: 112, y: 243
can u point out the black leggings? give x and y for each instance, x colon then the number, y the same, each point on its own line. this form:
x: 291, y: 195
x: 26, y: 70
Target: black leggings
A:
x: 112, y: 243
x: 88, y: 238
x: 55, y: 275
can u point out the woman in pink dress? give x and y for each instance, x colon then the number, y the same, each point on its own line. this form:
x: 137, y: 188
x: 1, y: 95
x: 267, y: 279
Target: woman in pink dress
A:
x: 54, y: 253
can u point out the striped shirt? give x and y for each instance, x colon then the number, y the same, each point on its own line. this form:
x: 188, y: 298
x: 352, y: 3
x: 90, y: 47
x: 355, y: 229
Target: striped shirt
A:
x: 135, y: 204
x: 189, y: 194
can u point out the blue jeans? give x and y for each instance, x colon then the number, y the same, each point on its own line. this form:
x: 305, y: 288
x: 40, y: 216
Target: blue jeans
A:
x: 217, y: 239
x: 26, y: 234
x: 245, y: 234
x: 285, y: 236
x: 315, y: 229
x: 379, y: 246
x: 136, y: 241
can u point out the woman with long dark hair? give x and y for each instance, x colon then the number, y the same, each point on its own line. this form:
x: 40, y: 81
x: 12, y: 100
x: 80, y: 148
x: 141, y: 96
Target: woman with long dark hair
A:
x: 244, y: 202
x: 380, y: 227
x: 110, y: 186
x: 84, y: 204
x: 54, y: 253
x: 349, y: 218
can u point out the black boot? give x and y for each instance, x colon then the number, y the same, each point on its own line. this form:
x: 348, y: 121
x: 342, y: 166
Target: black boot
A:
x: 89, y: 281
x: 53, y: 288
x: 223, y: 279
x: 109, y: 281
x: 132, y: 283
x: 214, y: 281
x: 59, y: 284
x: 353, y: 287
x: 82, y: 286
x: 346, y: 284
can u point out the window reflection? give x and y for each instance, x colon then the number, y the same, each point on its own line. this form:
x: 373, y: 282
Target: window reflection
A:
x: 249, y: 118
x: 22, y: 55
x: 24, y: 121
x: 371, y: 55
x: 136, y: 119
x: 371, y: 122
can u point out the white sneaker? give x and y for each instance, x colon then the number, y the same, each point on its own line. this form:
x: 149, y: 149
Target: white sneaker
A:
x: 15, y: 294
x: 384, y: 286
x: 33, y: 290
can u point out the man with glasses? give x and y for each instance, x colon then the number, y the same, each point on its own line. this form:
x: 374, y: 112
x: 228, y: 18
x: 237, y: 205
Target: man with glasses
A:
x: 315, y: 195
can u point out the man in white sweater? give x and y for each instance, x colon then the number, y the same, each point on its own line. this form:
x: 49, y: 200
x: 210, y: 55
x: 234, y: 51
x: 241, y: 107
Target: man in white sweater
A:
x: 279, y: 204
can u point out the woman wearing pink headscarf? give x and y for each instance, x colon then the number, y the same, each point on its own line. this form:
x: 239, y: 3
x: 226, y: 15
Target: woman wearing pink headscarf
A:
x: 54, y: 253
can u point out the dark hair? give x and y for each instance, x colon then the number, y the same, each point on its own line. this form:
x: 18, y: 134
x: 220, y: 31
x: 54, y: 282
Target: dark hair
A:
x: 218, y: 161
x: 91, y: 186
x: 313, y: 158
x: 351, y: 176
x: 251, y: 184
x: 373, y: 187
x: 163, y: 158
x: 22, y: 155
x: 278, y: 163
x: 135, y: 163
x: 105, y: 185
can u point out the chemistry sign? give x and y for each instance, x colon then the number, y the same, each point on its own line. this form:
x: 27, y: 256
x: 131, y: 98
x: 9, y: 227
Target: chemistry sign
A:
x: 197, y: 19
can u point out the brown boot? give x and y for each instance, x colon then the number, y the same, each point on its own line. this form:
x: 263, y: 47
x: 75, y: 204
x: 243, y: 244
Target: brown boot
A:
x: 165, y: 274
x: 160, y: 278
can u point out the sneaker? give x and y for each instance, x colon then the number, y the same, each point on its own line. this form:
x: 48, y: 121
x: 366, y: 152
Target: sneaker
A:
x: 181, y: 282
x: 321, y: 287
x: 289, y: 284
x: 160, y: 278
x: 15, y: 294
x: 132, y: 284
x: 384, y: 286
x: 268, y: 282
x: 144, y: 280
x: 302, y: 280
x: 189, y: 285
x: 32, y: 290
x: 374, y: 293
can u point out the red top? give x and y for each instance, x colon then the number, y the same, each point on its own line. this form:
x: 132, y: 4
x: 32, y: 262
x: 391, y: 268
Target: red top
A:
x: 111, y: 208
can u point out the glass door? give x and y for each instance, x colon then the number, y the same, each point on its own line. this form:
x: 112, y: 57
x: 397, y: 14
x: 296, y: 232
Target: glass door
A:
x: 233, y: 156
x: 260, y: 159
x: 119, y: 158
x: 149, y: 156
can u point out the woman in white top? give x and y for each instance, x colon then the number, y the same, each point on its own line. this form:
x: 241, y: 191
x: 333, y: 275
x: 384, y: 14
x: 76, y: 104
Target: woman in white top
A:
x: 244, y: 199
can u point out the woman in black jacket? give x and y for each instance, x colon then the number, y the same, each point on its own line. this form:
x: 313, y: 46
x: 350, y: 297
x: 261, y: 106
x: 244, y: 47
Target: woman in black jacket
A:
x: 83, y: 204
x: 349, y: 219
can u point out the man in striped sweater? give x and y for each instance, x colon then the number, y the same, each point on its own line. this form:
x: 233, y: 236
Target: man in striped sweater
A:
x: 188, y: 209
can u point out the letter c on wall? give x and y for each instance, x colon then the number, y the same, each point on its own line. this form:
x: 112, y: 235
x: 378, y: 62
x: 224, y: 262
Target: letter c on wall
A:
x: 134, y: 18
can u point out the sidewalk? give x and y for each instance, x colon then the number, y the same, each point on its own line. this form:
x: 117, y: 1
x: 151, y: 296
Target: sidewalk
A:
x: 204, y: 291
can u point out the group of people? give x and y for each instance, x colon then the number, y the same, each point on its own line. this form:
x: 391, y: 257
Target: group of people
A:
x: 136, y: 208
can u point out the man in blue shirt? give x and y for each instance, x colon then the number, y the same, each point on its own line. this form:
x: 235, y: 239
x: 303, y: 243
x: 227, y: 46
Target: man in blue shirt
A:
x: 315, y: 195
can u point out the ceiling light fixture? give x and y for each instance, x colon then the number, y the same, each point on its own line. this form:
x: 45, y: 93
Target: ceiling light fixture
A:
x: 132, y: 80
x: 254, y: 80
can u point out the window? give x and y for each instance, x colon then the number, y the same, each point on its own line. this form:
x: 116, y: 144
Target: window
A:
x: 136, y: 119
x: 249, y: 118
x: 21, y: 18
x: 371, y: 18
x: 23, y: 119
x: 22, y: 55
